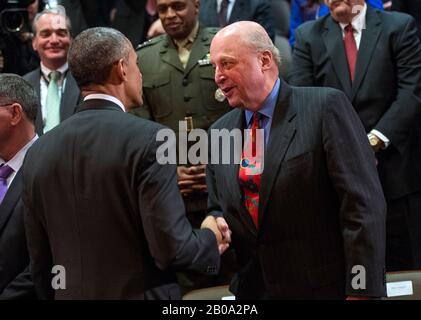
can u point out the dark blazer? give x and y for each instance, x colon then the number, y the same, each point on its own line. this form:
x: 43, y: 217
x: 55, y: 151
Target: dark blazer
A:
x: 321, y: 208
x: 70, y: 99
x: 412, y: 7
x: 386, y: 92
x: 253, y: 10
x: 99, y: 204
x: 15, y: 279
x: 130, y: 19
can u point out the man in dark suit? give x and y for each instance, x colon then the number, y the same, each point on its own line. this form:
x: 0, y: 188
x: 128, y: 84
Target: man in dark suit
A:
x: 219, y: 13
x: 55, y: 85
x: 131, y: 19
x: 18, y: 107
x: 316, y: 214
x: 374, y: 57
x: 113, y: 214
x: 412, y: 7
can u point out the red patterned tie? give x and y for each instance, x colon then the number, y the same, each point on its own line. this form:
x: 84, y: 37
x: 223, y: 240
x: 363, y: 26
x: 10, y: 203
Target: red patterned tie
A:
x: 249, y: 182
x: 350, y: 49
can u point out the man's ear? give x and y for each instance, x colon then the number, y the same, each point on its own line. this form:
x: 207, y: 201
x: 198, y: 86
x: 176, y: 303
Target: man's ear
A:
x: 17, y: 114
x: 35, y: 43
x: 121, y: 69
x: 266, y: 60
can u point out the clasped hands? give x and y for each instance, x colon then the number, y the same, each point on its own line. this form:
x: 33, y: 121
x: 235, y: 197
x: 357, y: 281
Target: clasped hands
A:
x: 221, y: 230
x: 191, y: 179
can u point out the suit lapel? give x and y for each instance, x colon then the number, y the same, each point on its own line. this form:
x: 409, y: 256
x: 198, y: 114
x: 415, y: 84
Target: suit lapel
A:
x: 199, y: 50
x: 282, y: 133
x: 169, y: 54
x: 70, y: 98
x: 369, y: 38
x: 237, y: 11
x: 10, y: 200
x: 39, y: 125
x: 333, y: 39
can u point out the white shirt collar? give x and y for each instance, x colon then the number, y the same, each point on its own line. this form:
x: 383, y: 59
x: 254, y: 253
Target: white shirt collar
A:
x: 105, y: 97
x: 358, y: 23
x: 46, y: 72
x: 16, y: 162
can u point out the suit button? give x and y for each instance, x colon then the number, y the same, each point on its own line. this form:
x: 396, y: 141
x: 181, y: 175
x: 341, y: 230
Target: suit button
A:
x: 187, y: 99
x: 185, y: 82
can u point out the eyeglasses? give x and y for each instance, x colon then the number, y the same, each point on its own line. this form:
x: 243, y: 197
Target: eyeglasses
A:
x: 6, y: 105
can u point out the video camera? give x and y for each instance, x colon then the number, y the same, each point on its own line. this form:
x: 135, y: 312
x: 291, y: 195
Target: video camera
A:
x: 14, y: 15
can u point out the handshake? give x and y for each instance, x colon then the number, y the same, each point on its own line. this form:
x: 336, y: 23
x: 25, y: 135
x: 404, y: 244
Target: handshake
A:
x: 221, y: 230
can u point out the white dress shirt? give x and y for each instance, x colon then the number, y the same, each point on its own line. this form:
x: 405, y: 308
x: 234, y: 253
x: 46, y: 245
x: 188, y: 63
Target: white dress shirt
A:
x: 16, y: 162
x: 105, y: 97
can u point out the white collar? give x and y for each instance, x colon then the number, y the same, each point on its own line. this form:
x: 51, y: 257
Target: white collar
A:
x: 16, y: 162
x: 46, y: 72
x: 105, y: 97
x: 359, y: 21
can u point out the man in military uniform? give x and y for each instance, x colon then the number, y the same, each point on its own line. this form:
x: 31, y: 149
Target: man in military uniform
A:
x: 178, y: 85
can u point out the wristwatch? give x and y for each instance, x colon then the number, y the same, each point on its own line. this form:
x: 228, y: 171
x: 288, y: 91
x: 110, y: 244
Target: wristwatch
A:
x: 375, y: 142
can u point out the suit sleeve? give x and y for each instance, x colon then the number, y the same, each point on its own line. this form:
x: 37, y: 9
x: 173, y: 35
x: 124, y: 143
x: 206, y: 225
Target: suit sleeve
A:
x: 398, y: 122
x: 21, y: 288
x: 302, y: 65
x: 171, y: 239
x: 352, y: 169
x: 37, y: 239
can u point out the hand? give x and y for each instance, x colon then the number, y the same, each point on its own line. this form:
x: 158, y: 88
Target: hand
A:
x: 191, y: 179
x: 211, y: 223
x: 113, y: 12
x: 156, y: 29
x: 387, y: 5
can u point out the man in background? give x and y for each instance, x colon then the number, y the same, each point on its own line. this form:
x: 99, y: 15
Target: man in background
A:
x: 56, y: 88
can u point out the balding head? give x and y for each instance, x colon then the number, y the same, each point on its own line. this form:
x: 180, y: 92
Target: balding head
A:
x: 246, y: 63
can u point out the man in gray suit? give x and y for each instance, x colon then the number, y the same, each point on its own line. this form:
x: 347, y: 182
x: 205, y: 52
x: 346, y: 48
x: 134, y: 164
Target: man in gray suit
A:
x: 97, y: 201
x: 312, y: 224
x: 55, y: 85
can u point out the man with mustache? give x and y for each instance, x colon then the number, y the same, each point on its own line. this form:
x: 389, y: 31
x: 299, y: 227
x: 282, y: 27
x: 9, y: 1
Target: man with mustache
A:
x: 374, y: 57
x: 56, y: 87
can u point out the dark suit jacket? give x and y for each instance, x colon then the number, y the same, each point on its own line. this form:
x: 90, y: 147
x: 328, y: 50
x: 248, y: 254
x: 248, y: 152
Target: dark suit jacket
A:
x: 15, y: 279
x: 253, y: 10
x: 386, y: 92
x: 69, y: 101
x: 321, y: 208
x: 130, y: 19
x: 98, y: 203
x: 412, y: 7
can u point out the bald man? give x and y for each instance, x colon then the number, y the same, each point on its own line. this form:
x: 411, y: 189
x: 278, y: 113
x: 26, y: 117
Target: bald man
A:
x: 312, y: 224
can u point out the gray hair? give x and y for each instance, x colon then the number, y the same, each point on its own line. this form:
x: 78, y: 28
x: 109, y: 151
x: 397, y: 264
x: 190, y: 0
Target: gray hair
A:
x: 14, y: 89
x: 94, y: 52
x: 55, y: 11
x: 261, y: 42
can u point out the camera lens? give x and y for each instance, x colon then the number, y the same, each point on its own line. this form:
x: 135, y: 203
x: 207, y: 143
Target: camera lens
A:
x: 13, y: 20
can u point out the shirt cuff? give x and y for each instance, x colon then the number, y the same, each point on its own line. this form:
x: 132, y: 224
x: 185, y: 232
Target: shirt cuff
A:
x: 382, y: 137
